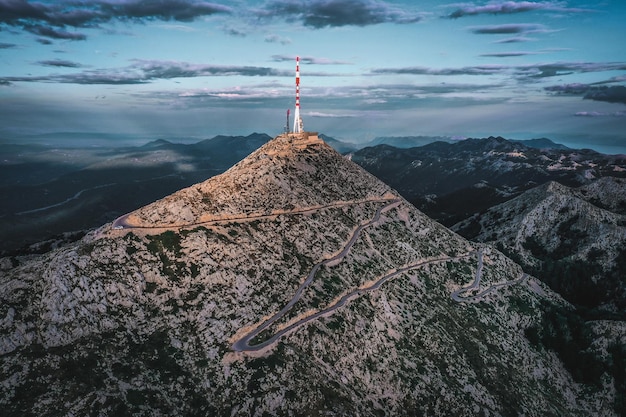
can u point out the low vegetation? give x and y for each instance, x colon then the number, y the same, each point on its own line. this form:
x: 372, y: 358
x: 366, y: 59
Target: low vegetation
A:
x: 567, y: 333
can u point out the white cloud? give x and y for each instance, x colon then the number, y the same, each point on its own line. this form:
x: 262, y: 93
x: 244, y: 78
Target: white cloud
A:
x: 330, y: 115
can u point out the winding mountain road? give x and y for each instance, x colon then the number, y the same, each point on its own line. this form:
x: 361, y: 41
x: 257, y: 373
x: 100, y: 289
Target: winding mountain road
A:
x: 457, y: 294
x: 67, y: 200
x: 243, y: 343
x: 122, y: 222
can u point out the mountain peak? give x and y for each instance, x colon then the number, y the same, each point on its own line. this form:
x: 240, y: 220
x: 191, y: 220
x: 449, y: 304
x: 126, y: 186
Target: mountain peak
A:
x: 289, y: 172
x: 157, y: 143
x: 296, y: 283
x: 555, y: 187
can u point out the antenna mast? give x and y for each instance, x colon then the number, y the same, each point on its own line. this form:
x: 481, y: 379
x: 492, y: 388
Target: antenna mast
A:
x: 297, y: 120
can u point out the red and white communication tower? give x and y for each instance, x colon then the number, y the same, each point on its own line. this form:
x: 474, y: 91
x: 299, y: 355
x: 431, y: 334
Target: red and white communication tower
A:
x: 297, y: 120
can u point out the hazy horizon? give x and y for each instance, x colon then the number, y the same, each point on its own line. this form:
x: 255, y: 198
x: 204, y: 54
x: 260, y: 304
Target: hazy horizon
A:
x: 101, y: 139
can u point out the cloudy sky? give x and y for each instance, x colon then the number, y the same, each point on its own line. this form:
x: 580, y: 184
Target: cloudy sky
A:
x: 194, y: 69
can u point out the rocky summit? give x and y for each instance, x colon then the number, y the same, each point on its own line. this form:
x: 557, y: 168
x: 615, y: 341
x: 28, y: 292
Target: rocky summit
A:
x: 573, y: 238
x: 293, y: 284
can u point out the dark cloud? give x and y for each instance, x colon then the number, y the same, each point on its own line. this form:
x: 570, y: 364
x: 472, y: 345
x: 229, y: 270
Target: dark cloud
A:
x: 476, y: 70
x: 53, y: 33
x: 515, y: 39
x: 180, y: 10
x: 616, y: 79
x: 508, y: 29
x: 612, y: 94
x: 7, y: 45
x: 566, y: 68
x: 283, y: 58
x: 233, y: 31
x: 86, y: 78
x: 528, y: 73
x: 277, y: 39
x: 575, y: 89
x: 308, y: 60
x: 98, y: 77
x: 50, y: 20
x: 609, y: 94
x: 59, y: 63
x: 44, y: 41
x: 391, y: 91
x: 511, y: 7
x: 334, y: 13
x: 170, y: 69
x: 14, y: 11
x: 556, y: 49
x: 508, y: 54
x: 141, y: 72
x: 547, y: 70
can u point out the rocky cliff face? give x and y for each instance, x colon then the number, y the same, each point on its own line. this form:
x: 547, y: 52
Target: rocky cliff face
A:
x: 574, y: 236
x: 293, y: 284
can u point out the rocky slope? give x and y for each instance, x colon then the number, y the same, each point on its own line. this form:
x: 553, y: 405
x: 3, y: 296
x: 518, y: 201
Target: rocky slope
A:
x: 451, y: 181
x: 142, y: 317
x: 575, y: 238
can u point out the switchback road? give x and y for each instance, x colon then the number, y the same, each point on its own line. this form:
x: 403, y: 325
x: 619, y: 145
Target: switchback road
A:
x: 457, y: 294
x: 243, y: 343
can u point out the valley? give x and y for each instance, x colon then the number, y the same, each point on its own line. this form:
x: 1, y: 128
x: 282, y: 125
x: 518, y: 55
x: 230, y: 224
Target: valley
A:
x: 54, y: 193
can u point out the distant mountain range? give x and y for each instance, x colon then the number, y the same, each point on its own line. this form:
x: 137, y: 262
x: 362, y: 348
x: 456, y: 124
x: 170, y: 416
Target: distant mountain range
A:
x: 405, y: 142
x: 541, y: 143
x: 223, y: 148
x: 451, y: 181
